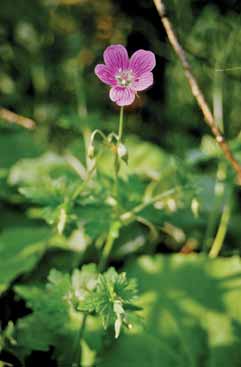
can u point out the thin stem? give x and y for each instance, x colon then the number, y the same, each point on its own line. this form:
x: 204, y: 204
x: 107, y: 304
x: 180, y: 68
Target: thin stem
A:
x: 195, y: 89
x: 150, y: 201
x: 217, y: 202
x: 77, y: 350
x: 120, y: 133
x: 95, y: 132
x: 82, y: 110
x: 106, y: 251
x: 117, y: 159
x: 130, y: 216
x: 222, y: 230
x: 155, y: 198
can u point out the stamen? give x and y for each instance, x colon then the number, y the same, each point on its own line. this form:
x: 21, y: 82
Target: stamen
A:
x: 124, y: 77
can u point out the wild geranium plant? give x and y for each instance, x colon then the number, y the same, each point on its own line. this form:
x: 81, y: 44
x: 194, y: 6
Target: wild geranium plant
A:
x: 101, y: 232
x: 95, y: 290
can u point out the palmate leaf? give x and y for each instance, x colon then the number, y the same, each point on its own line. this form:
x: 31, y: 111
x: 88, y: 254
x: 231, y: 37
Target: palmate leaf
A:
x: 27, y: 172
x: 191, y: 314
x: 96, y: 218
x: 46, y: 180
x: 111, y: 296
x: 55, y: 321
x: 20, y: 249
x: 83, y: 284
x: 113, y: 292
x: 59, y: 307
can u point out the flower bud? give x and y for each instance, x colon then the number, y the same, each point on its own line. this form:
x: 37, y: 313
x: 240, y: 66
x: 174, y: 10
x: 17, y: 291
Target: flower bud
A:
x: 122, y: 152
x: 91, y: 151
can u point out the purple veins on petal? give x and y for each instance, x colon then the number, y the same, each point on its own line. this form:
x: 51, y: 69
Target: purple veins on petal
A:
x: 143, y: 82
x: 122, y: 96
x: 116, y: 57
x: 142, y: 61
x: 105, y: 74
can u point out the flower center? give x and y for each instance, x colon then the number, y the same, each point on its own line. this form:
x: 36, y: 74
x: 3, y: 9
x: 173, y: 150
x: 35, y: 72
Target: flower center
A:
x: 124, y: 77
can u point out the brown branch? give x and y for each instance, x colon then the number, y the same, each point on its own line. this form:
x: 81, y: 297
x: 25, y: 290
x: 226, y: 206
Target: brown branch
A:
x: 196, y: 91
x: 13, y: 118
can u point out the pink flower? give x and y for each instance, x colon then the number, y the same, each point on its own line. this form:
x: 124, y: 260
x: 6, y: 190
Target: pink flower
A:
x: 126, y: 76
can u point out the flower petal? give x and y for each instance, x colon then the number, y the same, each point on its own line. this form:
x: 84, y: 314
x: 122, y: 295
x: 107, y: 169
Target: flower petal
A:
x: 105, y: 74
x: 116, y: 57
x: 122, y: 96
x: 142, y: 61
x: 143, y: 82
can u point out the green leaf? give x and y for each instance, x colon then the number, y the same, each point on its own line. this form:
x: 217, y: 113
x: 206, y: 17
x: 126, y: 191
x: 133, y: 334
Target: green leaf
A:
x: 83, y: 283
x: 46, y: 180
x: 27, y: 172
x: 6, y: 336
x: 55, y: 320
x: 96, y: 218
x: 20, y: 250
x: 191, y: 314
x: 113, y: 292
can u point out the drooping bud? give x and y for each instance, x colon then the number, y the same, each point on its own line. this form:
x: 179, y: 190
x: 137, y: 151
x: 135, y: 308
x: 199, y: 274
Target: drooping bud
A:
x: 195, y: 206
x: 62, y: 221
x: 122, y: 152
x: 91, y: 151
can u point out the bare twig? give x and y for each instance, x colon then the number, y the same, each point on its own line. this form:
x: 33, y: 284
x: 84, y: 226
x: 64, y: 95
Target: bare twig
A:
x: 196, y: 91
x: 13, y: 118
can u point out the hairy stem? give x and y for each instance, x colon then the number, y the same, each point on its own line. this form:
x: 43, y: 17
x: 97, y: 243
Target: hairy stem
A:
x: 196, y: 91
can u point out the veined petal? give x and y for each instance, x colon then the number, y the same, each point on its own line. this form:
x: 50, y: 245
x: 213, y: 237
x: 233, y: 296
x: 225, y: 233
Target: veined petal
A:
x: 122, y: 96
x: 105, y: 74
x: 143, y: 82
x: 142, y: 61
x: 116, y: 57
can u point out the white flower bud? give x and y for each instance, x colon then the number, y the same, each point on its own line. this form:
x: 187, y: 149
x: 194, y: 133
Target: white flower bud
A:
x: 122, y: 152
x: 91, y: 151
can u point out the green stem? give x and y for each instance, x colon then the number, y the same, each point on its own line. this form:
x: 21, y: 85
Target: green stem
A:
x: 222, y: 230
x: 131, y: 214
x: 111, y: 237
x: 106, y: 251
x: 109, y: 242
x: 77, y: 350
x: 120, y: 133
x: 117, y: 159
x: 218, y: 198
